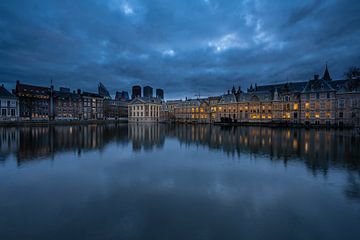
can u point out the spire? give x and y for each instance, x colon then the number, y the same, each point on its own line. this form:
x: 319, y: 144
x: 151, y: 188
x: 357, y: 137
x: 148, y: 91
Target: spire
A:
x: 233, y: 91
x: 239, y: 90
x: 326, y: 76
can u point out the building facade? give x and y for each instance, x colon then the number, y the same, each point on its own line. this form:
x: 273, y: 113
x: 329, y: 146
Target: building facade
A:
x: 67, y: 105
x: 145, y: 110
x: 115, y: 109
x: 318, y: 101
x: 34, y: 101
x: 92, y: 106
x: 192, y: 111
x: 9, y: 105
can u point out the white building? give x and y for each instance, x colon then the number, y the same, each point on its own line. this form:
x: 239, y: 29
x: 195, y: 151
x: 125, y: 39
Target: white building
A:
x: 146, y: 109
x: 9, y: 105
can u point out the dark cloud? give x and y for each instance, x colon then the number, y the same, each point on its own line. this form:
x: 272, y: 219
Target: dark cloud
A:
x: 186, y: 47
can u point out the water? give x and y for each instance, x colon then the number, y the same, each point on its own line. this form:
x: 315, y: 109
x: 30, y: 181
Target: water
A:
x: 178, y: 182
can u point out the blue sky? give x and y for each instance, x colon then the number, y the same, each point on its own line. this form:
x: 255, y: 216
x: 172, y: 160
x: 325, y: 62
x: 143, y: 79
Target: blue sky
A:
x: 186, y: 47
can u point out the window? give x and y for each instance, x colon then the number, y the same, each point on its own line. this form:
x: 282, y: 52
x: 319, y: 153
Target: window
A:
x: 3, y: 112
x: 328, y: 95
x: 296, y: 106
x: 341, y: 103
x: 307, y: 105
x: 12, y: 112
x: 341, y: 114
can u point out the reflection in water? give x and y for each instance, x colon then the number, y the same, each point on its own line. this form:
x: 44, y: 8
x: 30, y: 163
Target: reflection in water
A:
x: 318, y: 149
x: 159, y: 181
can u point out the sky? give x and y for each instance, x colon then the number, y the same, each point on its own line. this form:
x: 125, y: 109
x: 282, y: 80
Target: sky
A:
x: 186, y: 47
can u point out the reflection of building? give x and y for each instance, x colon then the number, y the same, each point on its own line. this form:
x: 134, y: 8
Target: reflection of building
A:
x: 148, y: 91
x: 136, y: 92
x: 9, y: 105
x: 9, y: 142
x: 30, y: 143
x: 34, y: 101
x: 92, y: 106
x: 144, y: 110
x: 146, y: 136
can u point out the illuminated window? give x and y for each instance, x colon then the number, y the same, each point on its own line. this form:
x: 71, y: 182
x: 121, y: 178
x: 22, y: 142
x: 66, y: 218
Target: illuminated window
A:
x: 317, y: 115
x: 307, y: 105
x: 328, y: 115
x: 296, y: 106
x: 192, y: 109
x: 307, y: 115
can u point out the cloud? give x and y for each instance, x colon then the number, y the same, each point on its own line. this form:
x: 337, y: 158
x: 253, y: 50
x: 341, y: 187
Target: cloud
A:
x: 226, y: 42
x: 185, y: 47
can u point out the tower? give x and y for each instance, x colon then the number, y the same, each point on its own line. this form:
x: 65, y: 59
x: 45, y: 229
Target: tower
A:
x: 148, y: 91
x: 326, y: 76
x: 136, y: 91
x: 160, y: 93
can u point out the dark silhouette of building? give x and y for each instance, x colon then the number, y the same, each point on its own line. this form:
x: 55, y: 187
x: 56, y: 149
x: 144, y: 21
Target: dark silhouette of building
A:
x: 148, y: 91
x: 160, y: 93
x: 103, y: 92
x: 136, y: 91
x: 122, y: 96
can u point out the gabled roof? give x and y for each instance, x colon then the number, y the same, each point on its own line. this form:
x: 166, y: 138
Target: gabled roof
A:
x: 283, y: 87
x: 317, y: 85
x: 260, y: 95
x: 142, y: 100
x: 228, y: 98
x: 4, y: 93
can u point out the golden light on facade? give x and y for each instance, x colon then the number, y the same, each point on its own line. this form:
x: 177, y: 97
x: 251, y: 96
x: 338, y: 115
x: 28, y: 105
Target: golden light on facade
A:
x: 296, y: 106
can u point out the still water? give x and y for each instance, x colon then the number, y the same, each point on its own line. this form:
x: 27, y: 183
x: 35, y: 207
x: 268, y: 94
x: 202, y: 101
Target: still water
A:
x: 178, y: 182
